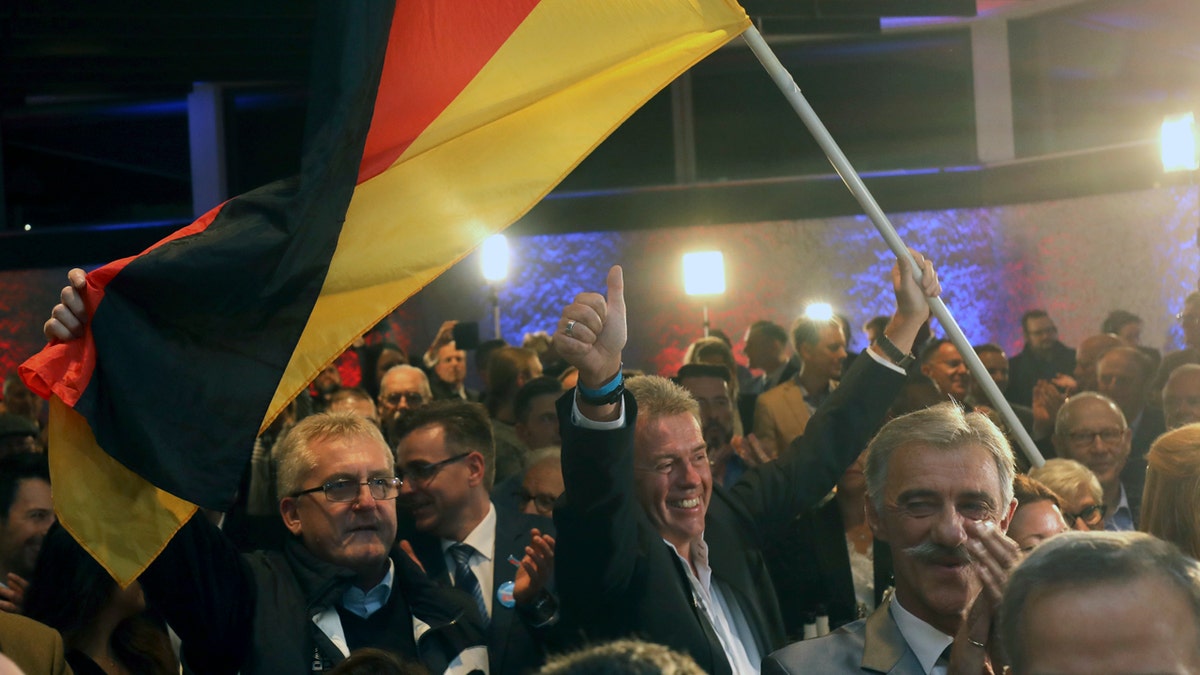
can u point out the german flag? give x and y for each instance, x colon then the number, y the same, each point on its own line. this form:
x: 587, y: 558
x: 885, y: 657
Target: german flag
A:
x: 433, y: 126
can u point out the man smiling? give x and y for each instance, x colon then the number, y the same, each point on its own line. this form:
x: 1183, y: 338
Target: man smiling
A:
x: 647, y: 544
x: 939, y: 482
x: 1091, y: 430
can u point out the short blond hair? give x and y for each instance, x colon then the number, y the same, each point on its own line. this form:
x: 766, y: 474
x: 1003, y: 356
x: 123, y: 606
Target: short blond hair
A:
x: 659, y: 397
x: 1064, y: 476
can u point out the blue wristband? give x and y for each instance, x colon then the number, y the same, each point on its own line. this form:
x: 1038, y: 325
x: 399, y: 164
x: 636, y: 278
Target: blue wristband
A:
x: 602, y: 392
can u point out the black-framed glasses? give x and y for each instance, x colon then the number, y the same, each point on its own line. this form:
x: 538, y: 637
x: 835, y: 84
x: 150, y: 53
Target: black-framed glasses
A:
x: 414, y: 398
x: 1091, y: 515
x: 1088, y: 437
x: 347, y: 489
x: 422, y: 473
x: 544, y: 502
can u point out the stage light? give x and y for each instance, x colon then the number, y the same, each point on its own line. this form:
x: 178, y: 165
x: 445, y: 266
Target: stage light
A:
x: 704, y: 274
x: 1178, y: 143
x: 495, y: 258
x: 819, y: 311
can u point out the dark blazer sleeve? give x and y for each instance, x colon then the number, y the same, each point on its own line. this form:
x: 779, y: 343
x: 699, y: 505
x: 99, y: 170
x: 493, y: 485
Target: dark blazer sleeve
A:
x: 774, y: 493
x: 598, y: 516
x: 205, y: 591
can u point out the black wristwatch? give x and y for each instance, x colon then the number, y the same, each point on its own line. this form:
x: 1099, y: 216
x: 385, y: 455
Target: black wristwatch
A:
x: 544, y: 610
x: 893, y: 352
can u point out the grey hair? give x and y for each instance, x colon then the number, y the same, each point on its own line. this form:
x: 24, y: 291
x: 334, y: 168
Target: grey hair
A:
x: 628, y: 656
x: 423, y: 378
x: 945, y: 426
x: 1078, y: 561
x: 294, y: 453
x: 659, y: 397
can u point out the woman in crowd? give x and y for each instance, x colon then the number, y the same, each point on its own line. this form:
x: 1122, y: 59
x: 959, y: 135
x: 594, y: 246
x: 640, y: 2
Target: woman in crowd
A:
x: 1171, y: 501
x: 1082, y: 497
x: 105, y: 629
x: 1038, y: 516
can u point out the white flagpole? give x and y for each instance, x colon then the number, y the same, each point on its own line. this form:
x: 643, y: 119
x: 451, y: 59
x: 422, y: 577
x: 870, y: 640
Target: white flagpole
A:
x: 791, y: 91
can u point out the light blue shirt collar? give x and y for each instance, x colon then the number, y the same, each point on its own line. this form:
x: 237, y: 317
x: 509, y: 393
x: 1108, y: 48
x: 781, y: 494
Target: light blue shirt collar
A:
x: 363, y: 605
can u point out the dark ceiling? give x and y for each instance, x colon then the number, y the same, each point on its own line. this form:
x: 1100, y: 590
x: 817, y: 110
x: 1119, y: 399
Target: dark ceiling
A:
x: 93, y: 114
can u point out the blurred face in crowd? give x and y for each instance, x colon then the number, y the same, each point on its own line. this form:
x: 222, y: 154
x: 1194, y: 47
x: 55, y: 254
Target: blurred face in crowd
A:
x: 451, y: 365
x: 716, y: 409
x: 1040, y: 334
x: 1189, y: 318
x: 1121, y: 377
x: 825, y: 358
x: 996, y: 364
x: 1036, y: 522
x: 542, y: 486
x: 763, y: 352
x: 672, y: 478
x: 29, y: 518
x: 853, y: 480
x: 1087, y: 354
x: 400, y: 390
x: 540, y: 428
x: 20, y: 400
x: 948, y: 371
x: 358, y: 534
x: 1131, y: 332
x: 1143, y: 625
x: 1181, y: 397
x: 328, y: 380
x: 928, y: 496
x: 356, y: 406
x: 18, y: 443
x: 1095, y: 435
x: 388, y: 359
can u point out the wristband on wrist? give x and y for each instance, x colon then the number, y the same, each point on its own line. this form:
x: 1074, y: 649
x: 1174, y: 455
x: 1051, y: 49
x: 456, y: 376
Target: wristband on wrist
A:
x: 609, y: 393
x: 893, y: 352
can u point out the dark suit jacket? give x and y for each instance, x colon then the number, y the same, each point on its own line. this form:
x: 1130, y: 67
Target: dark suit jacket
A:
x: 34, y: 647
x: 871, y: 645
x: 1025, y: 369
x: 514, y: 646
x: 442, y: 391
x: 618, y: 578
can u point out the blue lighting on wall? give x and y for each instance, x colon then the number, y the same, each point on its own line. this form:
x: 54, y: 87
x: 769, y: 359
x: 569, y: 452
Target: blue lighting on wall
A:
x: 547, y: 272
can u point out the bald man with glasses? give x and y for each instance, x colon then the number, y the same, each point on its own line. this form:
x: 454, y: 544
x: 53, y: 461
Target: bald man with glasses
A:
x: 1091, y: 430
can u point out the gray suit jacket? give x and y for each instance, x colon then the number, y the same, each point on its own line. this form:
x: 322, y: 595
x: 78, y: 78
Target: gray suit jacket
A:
x: 870, y: 645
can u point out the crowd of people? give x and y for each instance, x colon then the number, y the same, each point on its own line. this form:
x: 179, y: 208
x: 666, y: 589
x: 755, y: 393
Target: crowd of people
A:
x: 814, y: 512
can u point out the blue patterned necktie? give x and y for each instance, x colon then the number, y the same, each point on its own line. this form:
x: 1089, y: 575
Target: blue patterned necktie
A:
x: 465, y: 579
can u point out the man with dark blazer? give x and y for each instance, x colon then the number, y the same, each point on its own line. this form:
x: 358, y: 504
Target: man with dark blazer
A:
x: 447, y: 462
x: 648, y: 546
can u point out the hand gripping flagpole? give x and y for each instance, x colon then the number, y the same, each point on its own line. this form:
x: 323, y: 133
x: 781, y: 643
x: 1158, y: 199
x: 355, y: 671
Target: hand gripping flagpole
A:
x: 791, y: 91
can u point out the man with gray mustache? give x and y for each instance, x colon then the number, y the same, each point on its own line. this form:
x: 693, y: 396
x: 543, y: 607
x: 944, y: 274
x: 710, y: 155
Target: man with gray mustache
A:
x: 939, y: 490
